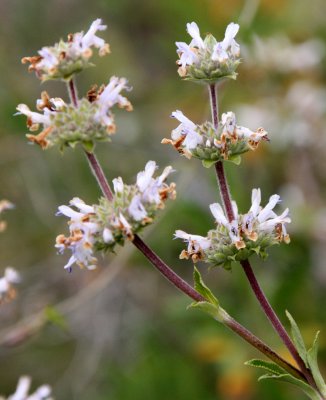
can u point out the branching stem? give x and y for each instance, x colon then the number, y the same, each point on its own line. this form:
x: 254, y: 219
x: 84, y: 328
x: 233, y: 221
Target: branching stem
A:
x: 167, y: 272
x: 260, y: 295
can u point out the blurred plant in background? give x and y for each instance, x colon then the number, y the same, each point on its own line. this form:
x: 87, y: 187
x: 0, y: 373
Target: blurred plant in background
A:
x: 130, y: 343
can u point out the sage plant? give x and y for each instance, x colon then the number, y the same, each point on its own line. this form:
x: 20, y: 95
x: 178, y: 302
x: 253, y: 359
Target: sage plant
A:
x: 124, y: 211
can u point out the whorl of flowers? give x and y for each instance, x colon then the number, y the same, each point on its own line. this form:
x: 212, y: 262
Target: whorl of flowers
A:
x: 10, y: 278
x: 4, y: 205
x: 64, y: 59
x: 207, y: 60
x: 22, y: 391
x: 111, y: 222
x: 211, y: 145
x: 247, y: 234
x: 66, y: 125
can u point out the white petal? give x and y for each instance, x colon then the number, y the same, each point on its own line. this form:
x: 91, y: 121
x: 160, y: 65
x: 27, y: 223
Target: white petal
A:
x: 179, y: 234
x: 265, y: 213
x: 144, y: 177
x: 218, y: 213
x: 118, y: 185
x: 23, y: 386
x: 107, y: 236
x: 255, y: 201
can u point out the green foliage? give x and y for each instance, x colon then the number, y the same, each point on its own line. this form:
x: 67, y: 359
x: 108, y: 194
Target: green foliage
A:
x: 276, y: 372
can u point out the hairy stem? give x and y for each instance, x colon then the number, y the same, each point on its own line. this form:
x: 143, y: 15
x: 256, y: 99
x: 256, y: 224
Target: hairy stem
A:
x: 261, y: 297
x: 72, y: 90
x: 99, y: 175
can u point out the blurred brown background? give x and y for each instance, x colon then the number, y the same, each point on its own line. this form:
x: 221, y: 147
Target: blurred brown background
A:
x: 122, y: 332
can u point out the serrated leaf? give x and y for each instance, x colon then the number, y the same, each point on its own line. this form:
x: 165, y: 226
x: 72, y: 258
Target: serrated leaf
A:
x: 203, y: 289
x: 208, y: 163
x: 308, y: 390
x: 297, y: 338
x: 313, y: 364
x: 267, y: 365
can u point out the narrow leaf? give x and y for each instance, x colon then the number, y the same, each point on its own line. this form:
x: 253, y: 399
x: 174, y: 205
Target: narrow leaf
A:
x: 308, y: 390
x: 313, y: 364
x: 297, y: 338
x: 203, y: 289
x: 267, y: 365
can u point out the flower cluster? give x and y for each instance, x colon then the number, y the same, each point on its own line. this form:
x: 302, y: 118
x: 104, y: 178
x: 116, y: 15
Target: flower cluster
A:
x: 4, y: 205
x: 236, y: 240
x: 10, y: 278
x: 23, y: 387
x: 211, y: 145
x: 64, y: 59
x: 66, y: 125
x: 111, y: 222
x: 208, y: 60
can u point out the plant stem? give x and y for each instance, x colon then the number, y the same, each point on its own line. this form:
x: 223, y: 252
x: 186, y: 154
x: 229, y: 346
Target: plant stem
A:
x: 168, y: 273
x: 187, y: 289
x: 72, y: 90
x: 99, y: 175
x: 262, y: 299
x: 262, y: 347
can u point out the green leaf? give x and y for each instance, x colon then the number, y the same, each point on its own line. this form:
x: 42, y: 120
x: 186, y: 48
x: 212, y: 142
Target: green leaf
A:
x: 208, y: 163
x: 208, y: 308
x: 297, y: 338
x: 277, y: 372
x: 88, y: 145
x: 203, y: 289
x: 313, y: 364
x: 308, y: 390
x: 236, y: 158
x: 267, y: 365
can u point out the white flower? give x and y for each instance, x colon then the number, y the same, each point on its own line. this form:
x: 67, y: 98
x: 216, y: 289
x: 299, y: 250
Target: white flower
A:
x: 218, y: 214
x: 118, y: 185
x: 186, y: 129
x: 229, y: 42
x: 196, y: 245
x: 266, y: 218
x: 108, y: 98
x: 23, y: 386
x: 49, y: 60
x: 193, y: 30
x: 187, y: 54
x: 219, y: 53
x: 144, y: 178
x: 228, y: 122
x: 151, y: 188
x: 82, y: 234
x: 82, y: 43
x: 136, y: 209
x: 34, y: 118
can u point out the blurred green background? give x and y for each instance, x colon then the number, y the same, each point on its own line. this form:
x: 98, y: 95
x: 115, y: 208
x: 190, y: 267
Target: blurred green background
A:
x: 122, y: 332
